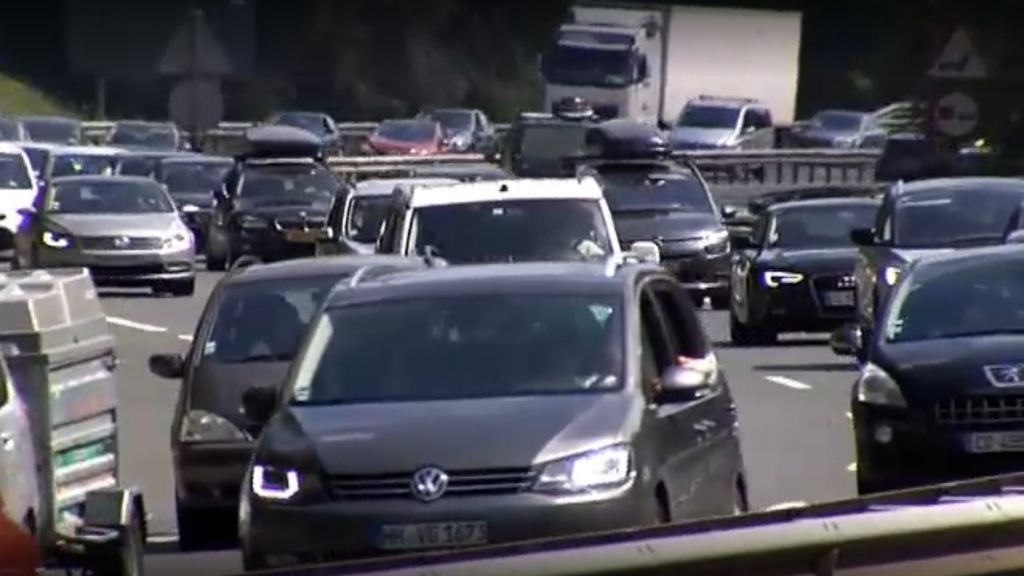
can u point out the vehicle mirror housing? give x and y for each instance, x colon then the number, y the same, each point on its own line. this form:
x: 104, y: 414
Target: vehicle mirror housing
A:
x: 169, y: 366
x: 863, y: 236
x: 646, y: 251
x: 687, y: 382
x: 728, y: 211
x: 846, y: 341
x: 259, y: 403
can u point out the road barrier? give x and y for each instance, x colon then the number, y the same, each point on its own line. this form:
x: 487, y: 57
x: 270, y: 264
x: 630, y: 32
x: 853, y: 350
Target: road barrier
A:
x: 965, y: 528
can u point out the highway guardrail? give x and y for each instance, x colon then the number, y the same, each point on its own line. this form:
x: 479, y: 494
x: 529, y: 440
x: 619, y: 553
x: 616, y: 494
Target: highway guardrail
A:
x: 966, y: 528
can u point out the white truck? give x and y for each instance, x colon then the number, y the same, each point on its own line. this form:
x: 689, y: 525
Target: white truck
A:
x: 647, y: 61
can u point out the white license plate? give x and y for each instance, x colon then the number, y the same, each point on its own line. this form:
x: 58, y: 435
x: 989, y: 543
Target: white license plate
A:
x: 987, y: 442
x: 438, y: 535
x: 843, y: 298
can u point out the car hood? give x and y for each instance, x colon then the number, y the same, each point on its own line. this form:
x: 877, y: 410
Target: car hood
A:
x: 814, y: 261
x: 706, y: 136
x: 664, y: 226
x: 202, y: 199
x: 940, y: 369
x: 218, y: 388
x: 463, y: 434
x: 155, y: 224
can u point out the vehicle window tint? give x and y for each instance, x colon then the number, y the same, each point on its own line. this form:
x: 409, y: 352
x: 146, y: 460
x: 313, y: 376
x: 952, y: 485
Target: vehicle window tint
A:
x: 654, y: 328
x: 192, y: 178
x: 264, y: 321
x: 84, y: 164
x: 955, y: 217
x: 650, y: 337
x: 464, y: 346
x: 144, y: 167
x: 110, y: 197
x: 14, y: 173
x: 680, y: 319
x: 301, y: 182
x: 820, y: 226
x: 758, y: 229
x: 365, y: 217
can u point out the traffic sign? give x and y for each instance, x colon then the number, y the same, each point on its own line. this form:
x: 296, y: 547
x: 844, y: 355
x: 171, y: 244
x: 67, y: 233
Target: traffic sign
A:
x: 959, y: 59
x: 956, y: 114
x: 195, y: 50
x: 196, y: 104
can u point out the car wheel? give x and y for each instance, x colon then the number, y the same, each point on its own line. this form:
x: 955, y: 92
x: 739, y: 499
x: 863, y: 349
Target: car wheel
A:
x: 720, y: 299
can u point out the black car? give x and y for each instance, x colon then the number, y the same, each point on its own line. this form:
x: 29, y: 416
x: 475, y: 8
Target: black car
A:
x: 467, y: 405
x: 927, y: 217
x: 191, y: 180
x: 537, y: 144
x: 317, y: 123
x: 794, y: 270
x: 942, y: 395
x: 53, y: 129
x: 146, y: 135
x: 247, y: 334
x: 274, y: 201
x: 143, y: 163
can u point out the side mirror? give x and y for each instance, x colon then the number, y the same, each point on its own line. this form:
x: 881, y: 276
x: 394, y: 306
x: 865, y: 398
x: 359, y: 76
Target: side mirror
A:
x: 646, y: 251
x: 686, y: 383
x: 259, y: 403
x: 846, y: 341
x: 170, y: 366
x: 862, y: 236
x: 728, y: 211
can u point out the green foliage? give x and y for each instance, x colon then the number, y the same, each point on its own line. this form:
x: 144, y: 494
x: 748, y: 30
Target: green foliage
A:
x: 18, y: 98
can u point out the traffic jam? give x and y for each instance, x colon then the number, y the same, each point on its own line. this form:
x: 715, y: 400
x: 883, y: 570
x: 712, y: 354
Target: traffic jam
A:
x: 444, y: 337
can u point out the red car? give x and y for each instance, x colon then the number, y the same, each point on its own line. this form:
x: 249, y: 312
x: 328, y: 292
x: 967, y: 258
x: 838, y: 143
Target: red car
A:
x: 406, y: 138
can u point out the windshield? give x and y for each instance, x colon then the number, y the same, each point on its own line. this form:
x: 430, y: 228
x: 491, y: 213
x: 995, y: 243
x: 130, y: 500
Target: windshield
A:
x: 989, y: 299
x: 137, y: 166
x: 453, y: 120
x: 264, y: 321
x: 314, y: 123
x: 9, y: 130
x: 408, y: 131
x: 302, y: 183
x: 365, y: 217
x: 83, y: 165
x: 512, y: 231
x: 14, y: 174
x: 813, y: 227
x: 956, y: 217
x: 197, y: 177
x: 839, y: 121
x: 553, y: 141
x: 589, y: 66
x: 109, y: 198
x: 695, y: 116
x: 147, y: 135
x: 466, y: 346
x: 53, y: 131
x: 643, y: 193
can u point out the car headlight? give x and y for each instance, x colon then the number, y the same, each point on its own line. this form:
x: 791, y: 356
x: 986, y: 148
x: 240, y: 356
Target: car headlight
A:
x: 715, y: 243
x: 56, y: 240
x: 891, y: 275
x: 273, y: 483
x: 876, y: 386
x: 179, y: 238
x: 252, y: 222
x: 606, y: 468
x: 776, y: 278
x: 202, y: 426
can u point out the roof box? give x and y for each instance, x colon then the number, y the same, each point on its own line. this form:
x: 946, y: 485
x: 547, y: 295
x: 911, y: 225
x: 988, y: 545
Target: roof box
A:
x: 281, y: 142
x: 626, y: 139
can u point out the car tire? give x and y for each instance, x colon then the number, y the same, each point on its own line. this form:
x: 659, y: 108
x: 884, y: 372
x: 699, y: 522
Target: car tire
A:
x: 720, y: 299
x: 744, y: 335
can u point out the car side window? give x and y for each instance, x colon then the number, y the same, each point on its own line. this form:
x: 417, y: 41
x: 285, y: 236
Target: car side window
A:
x: 655, y: 349
x: 680, y: 319
x: 758, y: 230
x: 386, y: 242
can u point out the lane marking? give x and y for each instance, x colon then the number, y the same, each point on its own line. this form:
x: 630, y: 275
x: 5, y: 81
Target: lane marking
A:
x: 852, y: 467
x: 788, y: 382
x: 786, y: 506
x: 135, y: 325
x: 185, y: 337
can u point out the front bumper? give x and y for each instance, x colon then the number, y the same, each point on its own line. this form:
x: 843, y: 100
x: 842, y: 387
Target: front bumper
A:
x: 270, y: 244
x: 124, y: 267
x: 812, y: 305
x: 339, y: 530
x: 209, y: 474
x: 699, y: 271
x: 921, y: 452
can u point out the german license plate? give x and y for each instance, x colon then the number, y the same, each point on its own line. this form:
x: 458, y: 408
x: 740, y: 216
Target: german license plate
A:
x: 438, y: 535
x: 987, y: 442
x: 842, y: 298
x: 302, y: 236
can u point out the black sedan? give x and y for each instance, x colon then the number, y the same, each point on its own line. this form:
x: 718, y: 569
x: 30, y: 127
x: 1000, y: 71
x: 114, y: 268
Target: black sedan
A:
x: 942, y: 396
x: 793, y: 272
x: 927, y: 217
x: 191, y: 181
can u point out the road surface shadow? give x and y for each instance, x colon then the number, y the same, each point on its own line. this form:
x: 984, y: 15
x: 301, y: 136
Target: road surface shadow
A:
x: 780, y: 345
x: 818, y: 367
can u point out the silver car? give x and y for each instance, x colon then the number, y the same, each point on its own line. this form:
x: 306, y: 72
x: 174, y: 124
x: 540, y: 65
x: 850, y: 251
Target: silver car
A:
x: 124, y: 229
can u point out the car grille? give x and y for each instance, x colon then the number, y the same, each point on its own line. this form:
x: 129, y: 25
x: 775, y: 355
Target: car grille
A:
x: 298, y: 224
x: 127, y: 271
x: 974, y: 410
x: 461, y: 483
x: 832, y: 283
x: 119, y: 242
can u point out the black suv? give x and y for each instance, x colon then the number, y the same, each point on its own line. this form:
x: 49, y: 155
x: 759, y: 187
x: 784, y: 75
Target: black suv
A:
x: 537, y: 144
x: 274, y: 201
x: 248, y: 333
x: 393, y: 427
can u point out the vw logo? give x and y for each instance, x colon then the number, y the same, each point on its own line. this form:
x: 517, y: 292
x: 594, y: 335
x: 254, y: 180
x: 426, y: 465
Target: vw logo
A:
x: 122, y: 242
x: 428, y: 484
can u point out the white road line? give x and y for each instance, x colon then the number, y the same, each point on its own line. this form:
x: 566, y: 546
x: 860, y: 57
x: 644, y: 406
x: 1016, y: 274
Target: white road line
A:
x: 852, y: 467
x: 185, y: 337
x: 786, y: 506
x: 135, y: 325
x: 788, y: 382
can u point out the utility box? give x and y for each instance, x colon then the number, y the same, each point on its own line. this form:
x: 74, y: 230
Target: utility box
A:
x: 60, y: 361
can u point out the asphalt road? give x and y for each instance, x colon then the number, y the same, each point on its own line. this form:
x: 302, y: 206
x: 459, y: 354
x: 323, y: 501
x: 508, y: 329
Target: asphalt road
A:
x: 793, y: 402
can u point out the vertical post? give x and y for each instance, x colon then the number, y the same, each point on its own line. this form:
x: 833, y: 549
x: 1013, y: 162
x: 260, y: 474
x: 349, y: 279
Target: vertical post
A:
x: 101, y: 98
x: 194, y: 75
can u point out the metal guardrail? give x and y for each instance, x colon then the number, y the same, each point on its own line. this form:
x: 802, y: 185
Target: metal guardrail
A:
x: 965, y: 528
